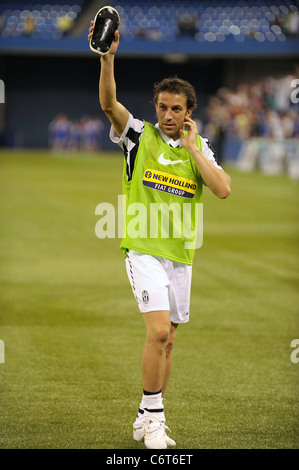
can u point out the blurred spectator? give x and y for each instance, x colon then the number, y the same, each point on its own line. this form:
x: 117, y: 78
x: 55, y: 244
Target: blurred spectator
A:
x: 75, y: 136
x: 268, y: 90
x: 275, y: 128
x: 290, y: 23
x: 198, y: 122
x: 92, y: 129
x: 261, y: 108
x: 145, y: 33
x: 188, y: 24
x: 296, y: 125
x: 218, y: 115
x: 84, y: 134
x: 282, y: 93
x: 65, y: 24
x: 29, y: 26
x: 59, y: 132
x: 287, y: 121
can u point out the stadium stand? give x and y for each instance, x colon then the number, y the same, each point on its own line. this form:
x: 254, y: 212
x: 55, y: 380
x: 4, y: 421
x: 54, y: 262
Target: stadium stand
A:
x: 209, y: 20
x: 192, y: 26
x: 45, y: 20
x: 242, y: 57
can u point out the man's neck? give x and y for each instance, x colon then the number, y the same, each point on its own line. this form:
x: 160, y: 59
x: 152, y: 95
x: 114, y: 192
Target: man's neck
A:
x: 168, y: 140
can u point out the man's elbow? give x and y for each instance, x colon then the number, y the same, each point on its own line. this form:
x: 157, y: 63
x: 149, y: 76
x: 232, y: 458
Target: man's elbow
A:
x: 106, y: 108
x: 225, y: 189
x: 224, y: 193
x: 105, y: 104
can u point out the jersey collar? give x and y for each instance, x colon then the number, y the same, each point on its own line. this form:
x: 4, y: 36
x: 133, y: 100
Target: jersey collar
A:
x: 168, y: 140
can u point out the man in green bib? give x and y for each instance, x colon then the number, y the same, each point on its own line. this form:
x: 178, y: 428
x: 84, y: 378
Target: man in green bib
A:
x: 164, y: 169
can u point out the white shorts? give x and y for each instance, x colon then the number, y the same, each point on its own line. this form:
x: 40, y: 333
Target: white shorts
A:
x: 160, y: 284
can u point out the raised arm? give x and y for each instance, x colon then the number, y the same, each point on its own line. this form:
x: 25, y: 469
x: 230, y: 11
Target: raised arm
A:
x: 115, y: 111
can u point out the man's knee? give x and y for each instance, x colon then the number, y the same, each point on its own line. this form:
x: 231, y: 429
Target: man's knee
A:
x: 159, y: 334
x: 169, y: 346
x: 158, y: 329
x: 171, y: 339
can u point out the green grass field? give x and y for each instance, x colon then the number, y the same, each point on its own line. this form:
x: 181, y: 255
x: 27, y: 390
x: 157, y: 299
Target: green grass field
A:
x: 73, y: 335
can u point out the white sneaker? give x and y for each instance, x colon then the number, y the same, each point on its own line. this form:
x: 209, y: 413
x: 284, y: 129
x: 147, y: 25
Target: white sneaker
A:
x: 152, y: 432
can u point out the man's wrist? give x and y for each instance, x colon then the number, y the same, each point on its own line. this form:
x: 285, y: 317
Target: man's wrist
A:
x: 193, y: 150
x: 107, y: 58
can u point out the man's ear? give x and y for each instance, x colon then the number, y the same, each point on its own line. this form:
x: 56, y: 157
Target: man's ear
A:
x: 189, y: 112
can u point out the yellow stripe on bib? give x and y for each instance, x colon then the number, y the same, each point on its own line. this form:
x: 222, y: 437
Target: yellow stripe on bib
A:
x: 169, y: 183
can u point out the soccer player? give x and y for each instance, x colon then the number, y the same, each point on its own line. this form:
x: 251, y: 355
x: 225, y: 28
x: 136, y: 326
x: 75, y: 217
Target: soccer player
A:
x: 164, y: 164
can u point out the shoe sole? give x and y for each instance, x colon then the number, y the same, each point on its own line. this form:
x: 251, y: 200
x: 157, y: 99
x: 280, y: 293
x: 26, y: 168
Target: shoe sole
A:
x: 137, y: 436
x: 151, y: 445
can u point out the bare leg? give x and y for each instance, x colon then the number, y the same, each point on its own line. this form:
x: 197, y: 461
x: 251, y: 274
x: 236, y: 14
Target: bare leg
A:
x: 169, y: 349
x: 156, y: 369
x: 158, y: 327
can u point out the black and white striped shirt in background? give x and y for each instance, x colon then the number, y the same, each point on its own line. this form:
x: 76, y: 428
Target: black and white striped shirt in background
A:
x: 130, y: 139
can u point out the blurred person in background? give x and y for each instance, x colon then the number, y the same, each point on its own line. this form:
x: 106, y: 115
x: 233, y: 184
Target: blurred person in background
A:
x: 92, y: 133
x: 29, y: 26
x: 290, y: 22
x: 75, y: 135
x: 59, y: 132
x: 262, y: 108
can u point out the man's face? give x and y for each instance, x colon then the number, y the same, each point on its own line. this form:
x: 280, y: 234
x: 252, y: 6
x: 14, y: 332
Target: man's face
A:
x: 171, y: 110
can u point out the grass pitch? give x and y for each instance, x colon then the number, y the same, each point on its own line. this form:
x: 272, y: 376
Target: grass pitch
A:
x: 73, y: 335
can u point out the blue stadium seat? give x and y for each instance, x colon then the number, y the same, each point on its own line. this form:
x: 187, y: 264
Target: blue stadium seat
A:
x: 37, y: 19
x: 217, y: 20
x: 212, y: 20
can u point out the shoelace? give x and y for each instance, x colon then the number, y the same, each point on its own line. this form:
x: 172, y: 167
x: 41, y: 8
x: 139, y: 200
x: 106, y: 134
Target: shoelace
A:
x: 156, y: 427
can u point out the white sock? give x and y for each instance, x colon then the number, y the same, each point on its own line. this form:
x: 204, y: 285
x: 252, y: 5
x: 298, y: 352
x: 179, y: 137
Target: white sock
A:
x: 152, y: 405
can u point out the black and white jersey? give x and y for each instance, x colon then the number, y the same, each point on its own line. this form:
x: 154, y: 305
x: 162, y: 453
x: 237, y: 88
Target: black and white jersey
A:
x: 130, y: 139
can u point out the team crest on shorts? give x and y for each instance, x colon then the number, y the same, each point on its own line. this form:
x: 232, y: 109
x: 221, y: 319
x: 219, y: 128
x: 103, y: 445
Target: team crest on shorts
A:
x: 145, y: 297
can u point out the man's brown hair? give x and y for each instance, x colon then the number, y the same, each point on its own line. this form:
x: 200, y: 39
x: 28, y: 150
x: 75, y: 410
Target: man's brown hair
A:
x: 176, y: 86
